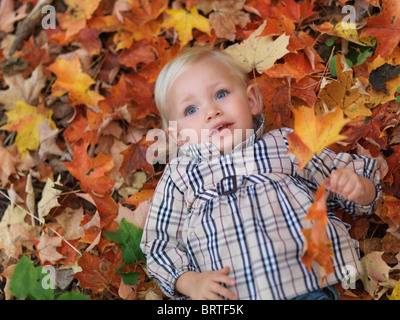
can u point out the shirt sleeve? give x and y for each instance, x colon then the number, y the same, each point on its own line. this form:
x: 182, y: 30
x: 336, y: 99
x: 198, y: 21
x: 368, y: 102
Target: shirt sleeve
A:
x: 327, y: 161
x: 161, y: 242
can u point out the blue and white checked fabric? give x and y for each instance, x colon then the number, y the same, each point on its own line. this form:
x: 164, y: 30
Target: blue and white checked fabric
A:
x: 245, y: 210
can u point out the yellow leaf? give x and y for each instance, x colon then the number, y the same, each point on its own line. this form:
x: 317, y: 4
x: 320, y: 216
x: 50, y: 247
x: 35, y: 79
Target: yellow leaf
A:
x: 25, y: 119
x: 71, y: 79
x: 395, y: 293
x: 345, y: 92
x: 184, y: 21
x: 311, y: 134
x: 349, y: 32
x: 259, y: 53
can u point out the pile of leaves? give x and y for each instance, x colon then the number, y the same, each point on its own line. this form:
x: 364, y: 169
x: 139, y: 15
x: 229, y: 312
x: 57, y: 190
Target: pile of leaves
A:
x: 76, y: 99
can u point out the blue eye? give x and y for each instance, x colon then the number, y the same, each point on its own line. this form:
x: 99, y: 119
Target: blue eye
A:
x: 221, y: 94
x: 190, y: 110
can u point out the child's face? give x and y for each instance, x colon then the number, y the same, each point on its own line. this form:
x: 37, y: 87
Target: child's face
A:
x: 209, y: 103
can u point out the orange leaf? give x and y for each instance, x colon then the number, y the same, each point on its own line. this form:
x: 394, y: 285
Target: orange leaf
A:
x: 139, y: 197
x: 317, y: 244
x: 74, y: 19
x: 91, y: 171
x: 135, y: 158
x: 71, y: 79
x: 311, y: 134
x: 99, y: 273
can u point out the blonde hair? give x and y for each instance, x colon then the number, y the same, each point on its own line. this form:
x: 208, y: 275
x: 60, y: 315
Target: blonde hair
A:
x: 190, y: 56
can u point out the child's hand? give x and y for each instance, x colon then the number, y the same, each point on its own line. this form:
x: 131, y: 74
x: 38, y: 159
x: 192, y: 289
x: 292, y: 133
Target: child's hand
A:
x: 206, y: 285
x: 349, y: 184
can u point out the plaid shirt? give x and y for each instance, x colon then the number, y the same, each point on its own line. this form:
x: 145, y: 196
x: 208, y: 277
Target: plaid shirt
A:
x: 246, y: 210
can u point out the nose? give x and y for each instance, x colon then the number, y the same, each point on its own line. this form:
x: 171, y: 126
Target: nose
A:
x: 212, y: 112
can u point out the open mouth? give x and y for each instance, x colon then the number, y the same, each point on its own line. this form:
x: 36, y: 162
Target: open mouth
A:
x: 220, y: 129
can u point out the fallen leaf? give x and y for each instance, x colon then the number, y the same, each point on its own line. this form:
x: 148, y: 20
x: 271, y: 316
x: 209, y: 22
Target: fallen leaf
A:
x: 259, y: 53
x: 184, y: 21
x: 375, y: 278
x: 226, y: 16
x: 25, y: 119
x: 345, y: 92
x: 47, y: 249
x: 98, y: 273
x: 91, y: 171
x: 71, y: 80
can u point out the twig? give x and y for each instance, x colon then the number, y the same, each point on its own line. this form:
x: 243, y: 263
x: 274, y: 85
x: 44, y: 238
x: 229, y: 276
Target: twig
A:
x: 40, y: 221
x: 27, y: 26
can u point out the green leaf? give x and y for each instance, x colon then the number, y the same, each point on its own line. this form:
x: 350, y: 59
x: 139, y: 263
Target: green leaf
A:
x: 43, y: 289
x: 398, y: 99
x: 364, y: 55
x: 130, y: 278
x: 129, y: 237
x: 331, y: 41
x: 128, y: 254
x: 23, y: 279
x: 31, y: 282
x: 398, y: 90
x: 73, y: 296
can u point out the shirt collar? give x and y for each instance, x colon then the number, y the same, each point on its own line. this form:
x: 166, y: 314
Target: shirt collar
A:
x: 207, y: 150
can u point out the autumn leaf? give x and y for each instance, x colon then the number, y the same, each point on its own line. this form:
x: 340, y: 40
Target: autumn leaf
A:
x: 311, y: 134
x: 345, y: 92
x: 184, y: 21
x: 91, y: 172
x: 385, y: 27
x: 259, y: 53
x: 226, y: 16
x: 135, y: 158
x: 318, y: 247
x: 79, y: 11
x: 99, y: 273
x: 25, y: 120
x: 71, y: 80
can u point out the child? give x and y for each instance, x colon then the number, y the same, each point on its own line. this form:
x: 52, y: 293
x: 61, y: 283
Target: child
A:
x: 227, y: 213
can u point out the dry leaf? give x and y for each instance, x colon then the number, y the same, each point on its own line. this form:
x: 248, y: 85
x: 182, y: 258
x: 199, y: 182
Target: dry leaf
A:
x: 259, y: 53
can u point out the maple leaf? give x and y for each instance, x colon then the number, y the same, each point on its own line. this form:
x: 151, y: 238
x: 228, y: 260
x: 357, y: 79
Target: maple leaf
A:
x: 47, y: 249
x: 99, y: 273
x: 296, y: 66
x: 135, y: 158
x: 71, y: 79
x: 184, y: 21
x: 91, y: 172
x: 21, y: 89
x: 25, y: 119
x: 226, y: 16
x: 318, y: 247
x: 385, y: 27
x: 345, y: 92
x: 257, y: 52
x: 74, y: 19
x: 294, y: 11
x: 311, y: 134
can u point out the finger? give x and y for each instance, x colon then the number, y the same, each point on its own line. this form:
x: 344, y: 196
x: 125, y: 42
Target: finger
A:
x: 333, y: 180
x: 223, y: 291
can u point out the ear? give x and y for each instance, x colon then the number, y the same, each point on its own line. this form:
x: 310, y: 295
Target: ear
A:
x: 254, y: 98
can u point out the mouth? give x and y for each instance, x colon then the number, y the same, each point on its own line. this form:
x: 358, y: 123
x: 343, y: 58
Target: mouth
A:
x: 220, y: 128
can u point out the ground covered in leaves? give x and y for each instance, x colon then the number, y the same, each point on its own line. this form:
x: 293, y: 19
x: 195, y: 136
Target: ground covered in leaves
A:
x: 76, y: 103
